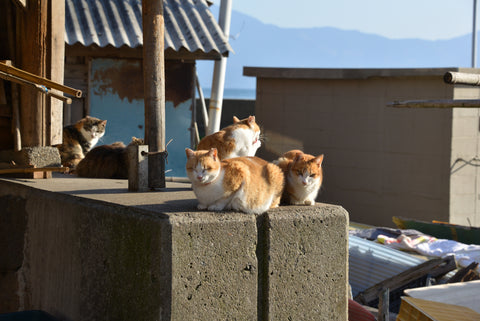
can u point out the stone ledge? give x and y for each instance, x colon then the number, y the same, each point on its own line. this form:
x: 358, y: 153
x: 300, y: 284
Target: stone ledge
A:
x: 86, y: 258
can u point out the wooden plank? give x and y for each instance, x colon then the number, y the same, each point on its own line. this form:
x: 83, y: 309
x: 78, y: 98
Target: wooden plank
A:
x: 432, y: 267
x: 22, y: 170
x: 33, y: 58
x: 438, y: 103
x: 55, y: 72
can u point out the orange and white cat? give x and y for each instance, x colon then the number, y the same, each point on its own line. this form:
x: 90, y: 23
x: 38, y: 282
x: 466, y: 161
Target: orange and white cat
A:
x: 242, y: 138
x: 247, y: 184
x: 303, y: 175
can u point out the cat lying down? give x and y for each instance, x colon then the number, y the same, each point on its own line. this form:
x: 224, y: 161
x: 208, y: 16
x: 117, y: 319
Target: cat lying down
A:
x: 246, y: 184
x: 303, y: 175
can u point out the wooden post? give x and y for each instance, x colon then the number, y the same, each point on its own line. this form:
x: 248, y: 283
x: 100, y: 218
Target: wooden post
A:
x: 154, y: 83
x: 56, y: 62
x: 34, y: 53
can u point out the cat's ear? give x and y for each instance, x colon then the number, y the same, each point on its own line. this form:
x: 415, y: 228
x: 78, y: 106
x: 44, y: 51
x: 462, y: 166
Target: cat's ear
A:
x: 189, y: 152
x: 251, y: 120
x: 235, y: 119
x: 319, y: 160
x: 213, y: 153
x: 104, y: 122
x: 298, y: 156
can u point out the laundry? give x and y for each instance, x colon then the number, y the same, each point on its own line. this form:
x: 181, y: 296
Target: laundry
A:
x: 431, y: 246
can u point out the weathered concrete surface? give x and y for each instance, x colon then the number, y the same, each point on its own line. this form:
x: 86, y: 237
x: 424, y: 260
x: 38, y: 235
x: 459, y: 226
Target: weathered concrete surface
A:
x: 87, y: 249
x: 38, y: 156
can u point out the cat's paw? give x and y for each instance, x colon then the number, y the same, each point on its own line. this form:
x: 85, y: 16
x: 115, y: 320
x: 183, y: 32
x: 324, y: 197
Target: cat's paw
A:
x: 215, y: 207
x: 309, y: 202
x: 202, y: 206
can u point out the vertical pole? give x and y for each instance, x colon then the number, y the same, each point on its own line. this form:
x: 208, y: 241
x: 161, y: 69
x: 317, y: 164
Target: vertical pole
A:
x: 34, y: 53
x: 218, y: 82
x: 474, y: 35
x: 56, y: 62
x: 154, y: 84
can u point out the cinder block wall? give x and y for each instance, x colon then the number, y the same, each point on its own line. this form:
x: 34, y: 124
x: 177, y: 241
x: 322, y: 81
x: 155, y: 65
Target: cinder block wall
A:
x: 379, y: 161
x: 79, y: 258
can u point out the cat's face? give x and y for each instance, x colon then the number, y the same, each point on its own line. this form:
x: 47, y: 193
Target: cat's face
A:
x: 307, y: 171
x: 92, y: 128
x: 202, y: 166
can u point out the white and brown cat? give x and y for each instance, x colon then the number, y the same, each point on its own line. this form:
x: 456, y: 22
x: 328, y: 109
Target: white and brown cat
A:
x: 247, y: 184
x: 79, y: 139
x: 303, y: 175
x: 242, y: 138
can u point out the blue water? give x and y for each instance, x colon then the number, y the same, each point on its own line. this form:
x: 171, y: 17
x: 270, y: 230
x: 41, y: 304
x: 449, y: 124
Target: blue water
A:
x: 233, y: 93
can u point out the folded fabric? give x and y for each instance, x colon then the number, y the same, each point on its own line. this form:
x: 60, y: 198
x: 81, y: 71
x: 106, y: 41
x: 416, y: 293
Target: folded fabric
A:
x: 430, y: 246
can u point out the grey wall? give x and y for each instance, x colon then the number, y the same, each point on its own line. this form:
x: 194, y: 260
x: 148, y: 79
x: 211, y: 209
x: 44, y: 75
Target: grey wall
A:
x: 379, y: 161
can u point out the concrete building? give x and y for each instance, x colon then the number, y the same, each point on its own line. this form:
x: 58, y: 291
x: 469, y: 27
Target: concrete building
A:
x: 379, y: 161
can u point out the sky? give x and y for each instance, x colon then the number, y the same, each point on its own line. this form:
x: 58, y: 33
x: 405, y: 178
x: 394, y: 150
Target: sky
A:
x: 421, y: 19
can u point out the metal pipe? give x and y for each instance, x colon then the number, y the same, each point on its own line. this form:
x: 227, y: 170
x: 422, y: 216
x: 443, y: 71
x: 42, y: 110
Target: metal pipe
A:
x: 474, y: 35
x: 218, y: 82
x: 202, y: 101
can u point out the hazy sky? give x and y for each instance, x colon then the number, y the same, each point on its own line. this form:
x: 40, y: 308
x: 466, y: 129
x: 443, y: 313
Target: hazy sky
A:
x: 424, y: 19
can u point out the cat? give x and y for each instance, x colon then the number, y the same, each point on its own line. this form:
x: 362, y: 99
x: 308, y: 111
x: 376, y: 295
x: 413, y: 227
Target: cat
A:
x: 79, y: 138
x: 107, y: 161
x: 242, y: 138
x: 303, y: 175
x: 247, y: 184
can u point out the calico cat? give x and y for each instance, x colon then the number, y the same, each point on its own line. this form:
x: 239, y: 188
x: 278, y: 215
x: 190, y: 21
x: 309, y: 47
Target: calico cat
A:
x: 242, y: 138
x: 247, y: 184
x: 107, y: 161
x: 79, y: 138
x: 303, y: 175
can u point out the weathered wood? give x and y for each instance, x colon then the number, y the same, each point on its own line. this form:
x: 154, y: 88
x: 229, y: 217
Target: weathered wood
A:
x: 17, y: 170
x: 440, y: 103
x: 137, y: 168
x: 154, y: 84
x: 34, y: 53
x: 39, y: 79
x: 462, y: 78
x: 460, y: 275
x: 55, y: 72
x: 40, y: 88
x: 384, y: 305
x: 434, y: 267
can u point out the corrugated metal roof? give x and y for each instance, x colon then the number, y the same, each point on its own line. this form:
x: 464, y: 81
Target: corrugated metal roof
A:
x: 189, y: 25
x: 370, y: 263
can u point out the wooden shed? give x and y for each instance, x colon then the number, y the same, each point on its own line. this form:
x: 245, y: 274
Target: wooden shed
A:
x: 103, y: 49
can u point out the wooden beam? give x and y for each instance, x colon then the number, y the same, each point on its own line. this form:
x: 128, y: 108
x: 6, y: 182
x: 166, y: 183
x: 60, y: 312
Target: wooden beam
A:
x: 34, y: 52
x: 4, y: 67
x: 154, y: 86
x: 434, y: 267
x: 439, y: 103
x: 56, y: 66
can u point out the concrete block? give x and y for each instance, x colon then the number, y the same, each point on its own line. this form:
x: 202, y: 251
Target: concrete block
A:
x: 46, y: 156
x: 305, y: 265
x: 214, y: 267
x: 158, y: 258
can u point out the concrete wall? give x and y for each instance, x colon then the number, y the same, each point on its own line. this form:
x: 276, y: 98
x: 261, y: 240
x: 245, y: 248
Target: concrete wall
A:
x: 379, y: 161
x: 84, y: 249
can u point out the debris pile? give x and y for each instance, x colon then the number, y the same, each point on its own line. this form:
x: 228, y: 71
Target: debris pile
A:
x: 388, y: 267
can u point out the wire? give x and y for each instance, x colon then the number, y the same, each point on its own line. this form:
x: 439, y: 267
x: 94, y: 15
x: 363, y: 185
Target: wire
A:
x: 469, y: 162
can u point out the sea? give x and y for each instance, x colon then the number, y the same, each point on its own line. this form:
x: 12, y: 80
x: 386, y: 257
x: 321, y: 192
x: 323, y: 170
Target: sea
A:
x: 233, y: 93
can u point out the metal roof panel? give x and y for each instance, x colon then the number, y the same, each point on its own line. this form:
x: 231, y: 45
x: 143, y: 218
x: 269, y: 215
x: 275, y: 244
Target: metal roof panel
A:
x: 189, y: 25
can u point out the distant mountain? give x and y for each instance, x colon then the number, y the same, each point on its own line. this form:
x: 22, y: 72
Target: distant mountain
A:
x: 264, y: 45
